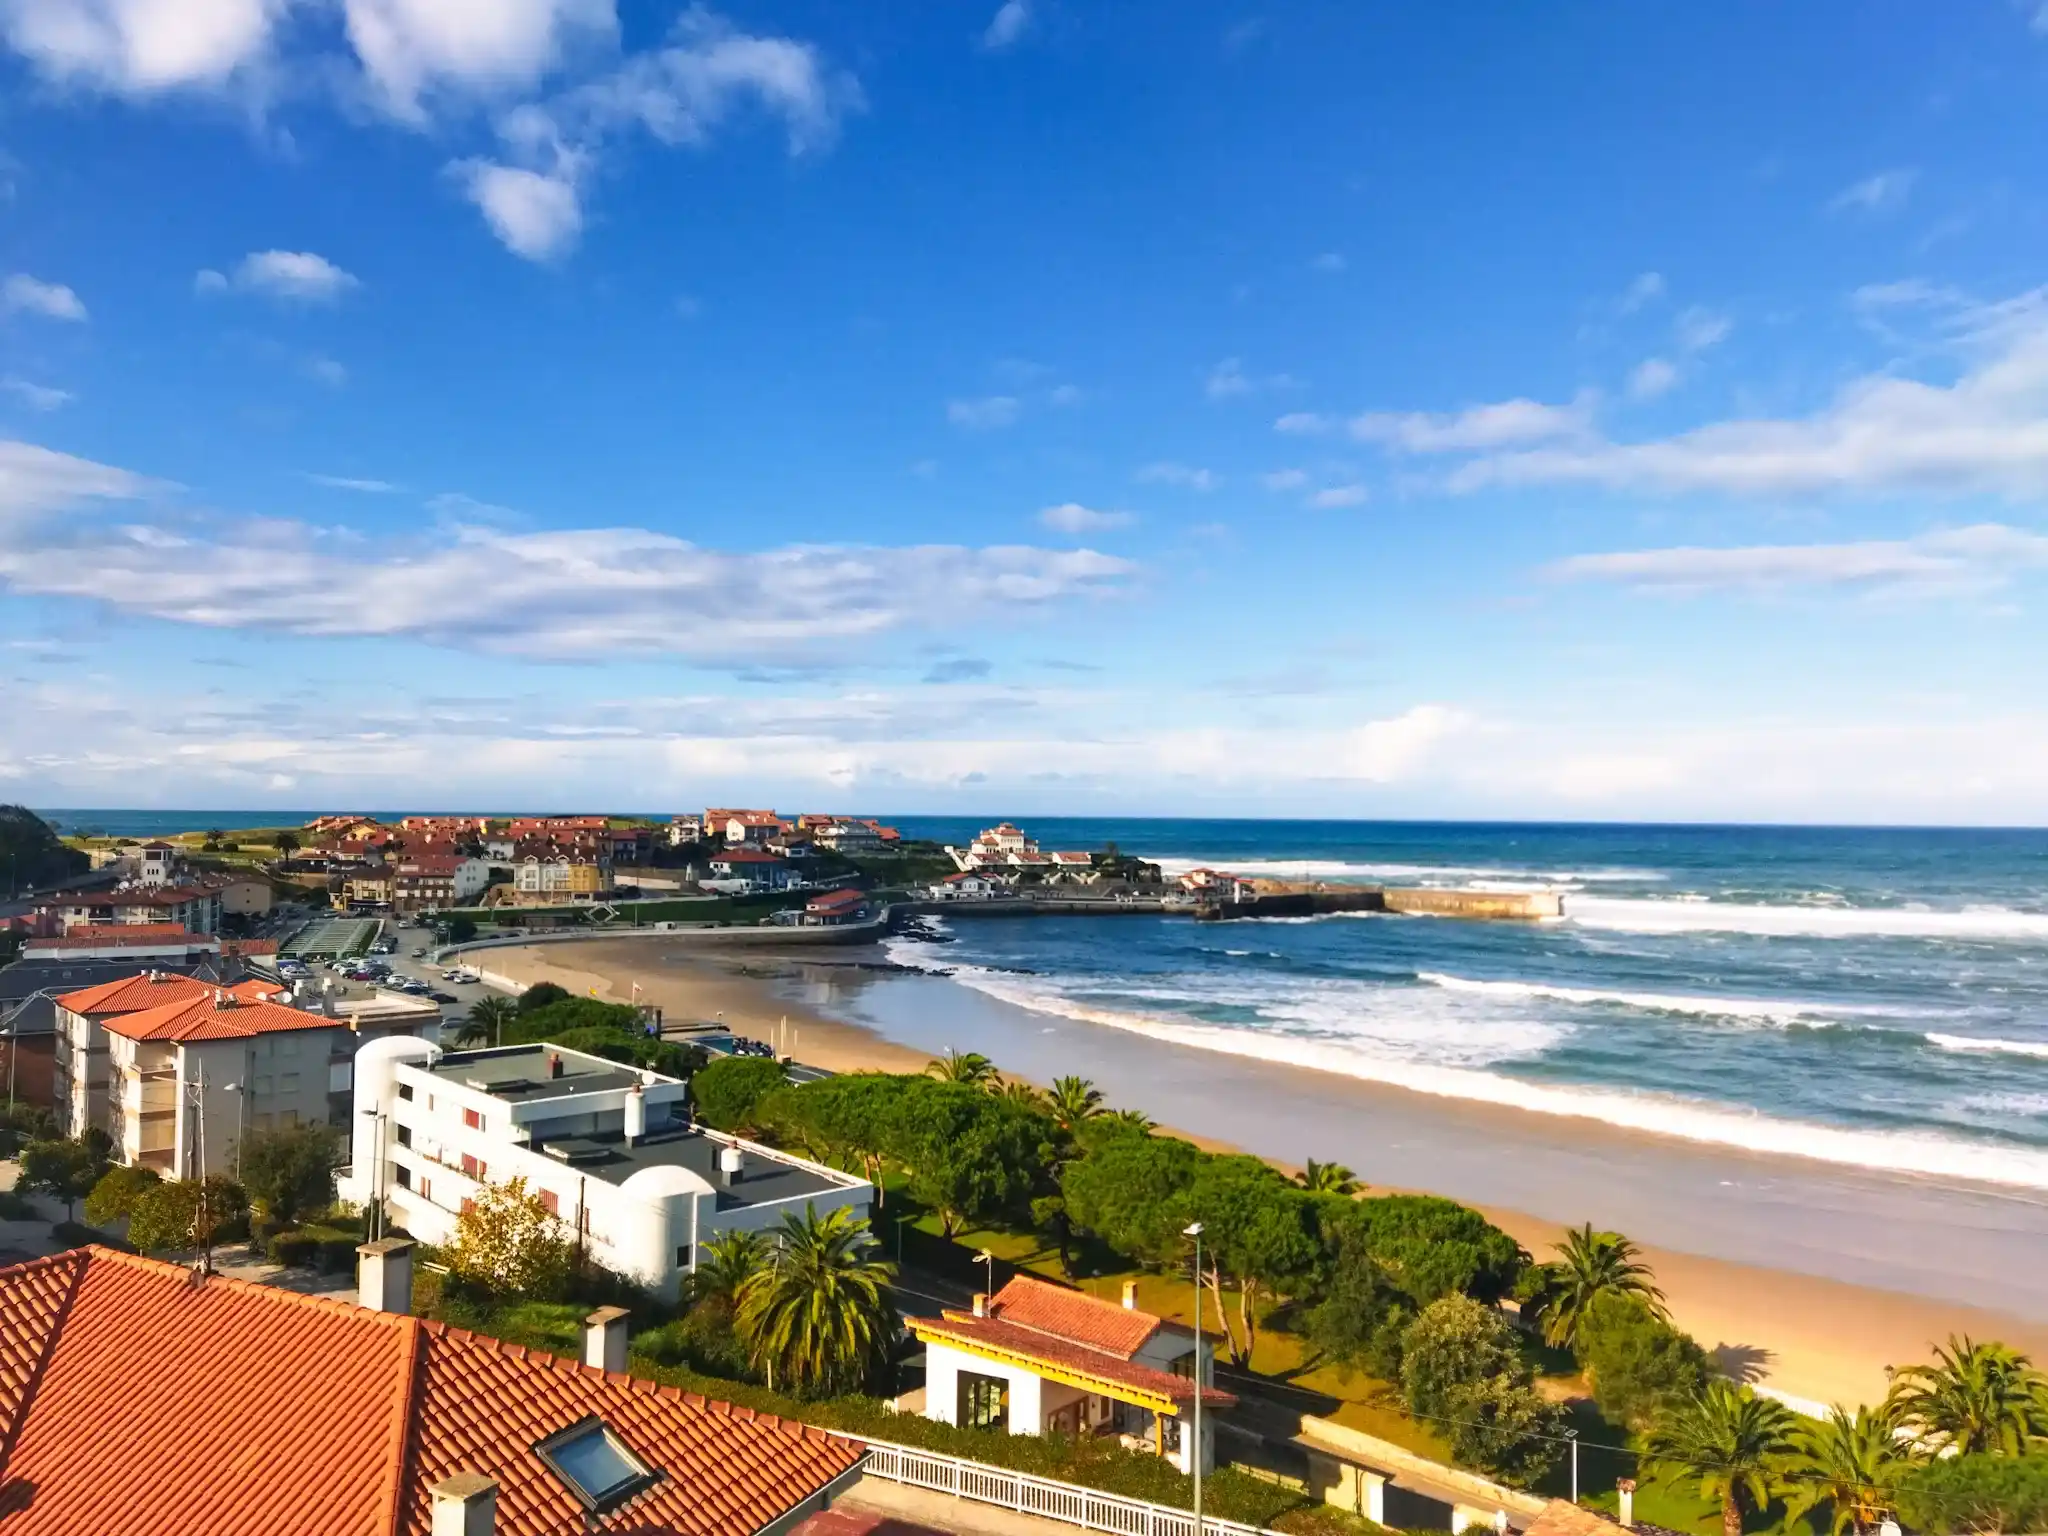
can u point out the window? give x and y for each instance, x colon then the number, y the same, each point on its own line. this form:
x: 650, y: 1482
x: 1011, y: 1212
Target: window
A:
x: 1183, y: 1366
x: 405, y: 1092
x: 473, y: 1119
x: 405, y: 1135
x: 595, y: 1465
x: 472, y: 1167
x: 426, y: 1188
x: 288, y: 1083
x: 404, y: 1176
x: 984, y: 1401
x: 552, y: 1201
x: 683, y: 1257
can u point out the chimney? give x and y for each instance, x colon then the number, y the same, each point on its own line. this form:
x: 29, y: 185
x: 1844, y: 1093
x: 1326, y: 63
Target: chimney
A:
x: 636, y: 1115
x: 604, y: 1338
x: 731, y: 1163
x: 1626, y: 1489
x: 464, y: 1505
x: 384, y: 1275
x: 1130, y: 1295
x: 981, y: 1303
x: 554, y: 1066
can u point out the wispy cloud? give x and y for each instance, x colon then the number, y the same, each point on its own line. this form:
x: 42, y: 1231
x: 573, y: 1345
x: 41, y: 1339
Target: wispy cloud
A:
x: 1072, y: 517
x: 984, y: 413
x: 37, y: 397
x: 1646, y: 288
x: 1340, y: 496
x: 1284, y: 479
x: 1652, y: 377
x: 1879, y: 193
x: 958, y: 669
x: 1944, y: 562
x: 1007, y: 26
x: 1186, y: 476
x: 556, y: 594
x: 352, y: 483
x: 303, y: 276
x: 1304, y: 424
x: 534, y: 214
x: 1329, y: 263
x: 1475, y: 427
x: 1697, y: 329
x: 22, y: 294
x: 1228, y: 381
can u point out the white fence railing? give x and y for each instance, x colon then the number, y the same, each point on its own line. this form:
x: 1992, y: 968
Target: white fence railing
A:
x: 1039, y: 1496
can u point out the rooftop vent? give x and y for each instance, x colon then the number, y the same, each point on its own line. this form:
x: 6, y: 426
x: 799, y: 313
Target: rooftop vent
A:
x: 595, y: 1465
x: 574, y: 1150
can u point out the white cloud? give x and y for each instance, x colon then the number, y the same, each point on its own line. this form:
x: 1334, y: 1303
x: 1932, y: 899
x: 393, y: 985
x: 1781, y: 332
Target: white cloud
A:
x: 1947, y: 561
x: 1475, y: 427
x: 1982, y: 431
x: 985, y: 413
x: 1652, y: 377
x: 1384, y: 751
x: 141, y: 47
x: 1007, y: 25
x: 299, y: 275
x: 1329, y: 261
x: 1303, y: 424
x: 1645, y: 289
x: 1284, y: 479
x: 1064, y: 395
x: 409, y: 47
x: 24, y: 294
x: 1699, y: 329
x: 36, y: 482
x: 1186, y: 476
x: 1876, y: 194
x: 37, y: 397
x: 352, y: 483
x: 1340, y: 496
x: 326, y: 370
x: 1072, y: 517
x: 1228, y: 380
x: 536, y: 215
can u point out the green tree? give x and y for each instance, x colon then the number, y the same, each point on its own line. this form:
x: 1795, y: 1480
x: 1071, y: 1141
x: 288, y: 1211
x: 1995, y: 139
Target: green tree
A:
x: 485, y: 1022
x: 289, y: 1172
x: 1462, y: 1367
x: 461, y: 929
x: 1975, y: 1494
x: 1327, y: 1179
x: 66, y: 1170
x: 1360, y: 1314
x: 1256, y: 1234
x: 1589, y: 1265
x: 542, y: 993
x: 1638, y: 1363
x: 1134, y: 1120
x: 1847, y: 1464
x: 287, y: 844
x: 1074, y: 1101
x: 970, y: 1154
x: 114, y: 1196
x: 1132, y: 1192
x: 178, y: 1214
x: 1023, y: 1095
x: 817, y: 1319
x: 1730, y: 1441
x: 726, y: 1263
x: 1431, y: 1247
x: 1973, y: 1398
x: 846, y: 1116
x: 730, y: 1093
x: 966, y: 1067
x: 508, y: 1244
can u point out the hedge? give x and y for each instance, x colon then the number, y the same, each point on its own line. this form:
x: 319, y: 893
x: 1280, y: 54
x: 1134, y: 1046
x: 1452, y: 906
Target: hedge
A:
x: 331, y: 1250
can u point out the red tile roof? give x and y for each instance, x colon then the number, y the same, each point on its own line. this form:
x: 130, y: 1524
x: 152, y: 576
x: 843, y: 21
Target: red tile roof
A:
x: 155, y: 989
x: 212, y: 1018
x: 1028, y: 1344
x: 134, y: 1397
x: 1075, y: 1315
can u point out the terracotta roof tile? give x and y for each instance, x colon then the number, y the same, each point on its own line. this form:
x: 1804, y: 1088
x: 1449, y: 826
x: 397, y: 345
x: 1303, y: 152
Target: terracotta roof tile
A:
x: 1100, y: 1365
x: 204, y: 1018
x: 136, y: 1398
x: 1074, y: 1315
x: 154, y: 989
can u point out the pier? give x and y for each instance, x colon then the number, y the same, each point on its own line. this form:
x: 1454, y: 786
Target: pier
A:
x: 1496, y: 906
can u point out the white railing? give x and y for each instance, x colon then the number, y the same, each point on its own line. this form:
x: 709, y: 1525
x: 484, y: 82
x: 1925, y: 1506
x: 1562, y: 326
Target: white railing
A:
x: 1039, y: 1496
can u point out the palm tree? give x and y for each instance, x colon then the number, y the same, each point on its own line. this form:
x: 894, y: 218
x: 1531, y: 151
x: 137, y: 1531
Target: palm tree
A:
x: 1074, y: 1100
x: 1327, y: 1179
x: 817, y: 1318
x: 1589, y: 1265
x: 727, y: 1263
x: 1846, y: 1463
x: 966, y: 1067
x: 1127, y: 1120
x: 1732, y: 1441
x: 1974, y: 1397
x: 1023, y: 1095
x: 486, y: 1020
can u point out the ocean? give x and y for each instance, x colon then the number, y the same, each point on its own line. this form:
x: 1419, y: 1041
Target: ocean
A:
x: 1876, y: 999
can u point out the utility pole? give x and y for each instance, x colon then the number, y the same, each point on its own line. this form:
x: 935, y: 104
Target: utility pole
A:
x: 1194, y: 1230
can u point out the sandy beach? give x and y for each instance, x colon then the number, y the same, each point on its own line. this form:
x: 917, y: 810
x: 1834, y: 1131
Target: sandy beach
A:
x: 1813, y: 1281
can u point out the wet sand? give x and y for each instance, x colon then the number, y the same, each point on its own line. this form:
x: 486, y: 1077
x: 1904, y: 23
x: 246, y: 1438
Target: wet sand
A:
x: 1811, y: 1278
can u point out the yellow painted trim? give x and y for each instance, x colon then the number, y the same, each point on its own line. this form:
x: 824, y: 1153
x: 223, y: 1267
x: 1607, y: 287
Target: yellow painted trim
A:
x: 1065, y: 1375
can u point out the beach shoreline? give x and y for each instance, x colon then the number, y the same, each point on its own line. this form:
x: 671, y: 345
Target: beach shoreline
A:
x: 1814, y: 1337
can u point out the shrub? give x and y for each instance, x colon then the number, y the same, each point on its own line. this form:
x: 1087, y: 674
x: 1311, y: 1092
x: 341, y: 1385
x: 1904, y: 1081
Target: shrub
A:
x: 1432, y: 1247
x: 116, y: 1193
x: 1638, y: 1363
x: 507, y: 1243
x: 729, y: 1093
x: 542, y: 993
x: 169, y: 1215
x: 331, y: 1250
x: 14, y: 1208
x: 1983, y: 1492
x: 290, y: 1171
x: 1463, y: 1367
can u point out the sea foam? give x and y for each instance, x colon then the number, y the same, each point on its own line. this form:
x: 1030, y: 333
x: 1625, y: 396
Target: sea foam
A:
x: 1995, y: 1047
x: 1766, y: 1010
x: 1682, y: 915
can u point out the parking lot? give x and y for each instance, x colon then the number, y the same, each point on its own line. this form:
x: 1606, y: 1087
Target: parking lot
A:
x: 396, y: 961
x: 327, y: 937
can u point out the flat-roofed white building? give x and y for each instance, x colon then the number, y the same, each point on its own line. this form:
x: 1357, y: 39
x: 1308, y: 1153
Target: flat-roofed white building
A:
x: 608, y: 1148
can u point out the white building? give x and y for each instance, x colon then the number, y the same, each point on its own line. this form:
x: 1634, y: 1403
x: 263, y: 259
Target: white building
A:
x: 1039, y: 1359
x: 606, y: 1147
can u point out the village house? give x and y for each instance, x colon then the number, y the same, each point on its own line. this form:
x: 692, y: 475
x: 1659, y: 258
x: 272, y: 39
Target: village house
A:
x: 1039, y: 1359
x: 192, y: 907
x: 149, y: 1398
x: 683, y: 830
x: 437, y: 880
x: 828, y: 909
x: 1008, y: 847
x: 371, y: 887
x: 751, y: 827
x: 973, y: 885
x: 740, y: 870
x: 537, y: 880
x: 608, y: 1148
x: 1216, y: 885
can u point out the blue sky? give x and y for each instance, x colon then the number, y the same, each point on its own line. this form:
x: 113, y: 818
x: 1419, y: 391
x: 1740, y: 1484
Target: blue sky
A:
x: 1371, y: 410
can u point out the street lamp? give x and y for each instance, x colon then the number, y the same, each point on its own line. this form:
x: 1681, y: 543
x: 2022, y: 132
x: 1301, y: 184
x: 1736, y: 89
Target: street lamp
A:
x: 989, y: 1259
x: 1194, y: 1230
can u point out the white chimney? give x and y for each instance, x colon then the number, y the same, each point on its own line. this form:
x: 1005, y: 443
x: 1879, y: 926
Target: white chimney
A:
x: 1130, y: 1295
x: 604, y: 1338
x: 384, y: 1275
x: 636, y: 1114
x: 731, y: 1163
x: 981, y: 1303
x: 1626, y: 1492
x: 464, y: 1505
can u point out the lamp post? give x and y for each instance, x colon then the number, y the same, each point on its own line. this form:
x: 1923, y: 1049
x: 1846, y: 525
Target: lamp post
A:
x: 1194, y: 1230
x: 984, y: 1257
x: 1573, y: 1436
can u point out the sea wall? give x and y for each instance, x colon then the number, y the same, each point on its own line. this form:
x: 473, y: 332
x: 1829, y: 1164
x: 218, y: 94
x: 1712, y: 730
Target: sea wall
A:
x: 1491, y: 904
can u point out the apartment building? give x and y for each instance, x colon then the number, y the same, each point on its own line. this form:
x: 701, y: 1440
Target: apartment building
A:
x: 192, y: 907
x: 437, y: 880
x: 607, y: 1148
x: 560, y: 879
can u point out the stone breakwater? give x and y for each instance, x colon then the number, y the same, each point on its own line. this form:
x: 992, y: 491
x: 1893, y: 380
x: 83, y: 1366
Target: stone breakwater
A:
x: 1274, y: 900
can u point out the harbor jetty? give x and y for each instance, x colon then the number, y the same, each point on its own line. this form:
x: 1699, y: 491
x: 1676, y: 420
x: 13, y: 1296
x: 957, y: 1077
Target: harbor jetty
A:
x: 1272, y: 900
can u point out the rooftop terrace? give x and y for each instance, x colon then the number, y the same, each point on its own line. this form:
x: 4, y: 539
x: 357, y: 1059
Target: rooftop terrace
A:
x: 519, y: 1073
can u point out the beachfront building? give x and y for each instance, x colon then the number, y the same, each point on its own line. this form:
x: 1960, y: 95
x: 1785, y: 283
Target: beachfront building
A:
x: 536, y: 879
x: 607, y: 1148
x: 828, y: 909
x: 437, y: 880
x: 740, y: 871
x: 683, y: 830
x: 739, y: 828
x: 1039, y: 1359
x: 157, y: 864
x: 192, y: 907
x: 1009, y: 847
x: 973, y: 885
x: 1217, y: 885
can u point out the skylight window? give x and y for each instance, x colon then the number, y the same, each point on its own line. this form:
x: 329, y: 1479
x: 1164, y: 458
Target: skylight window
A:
x: 595, y: 1465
